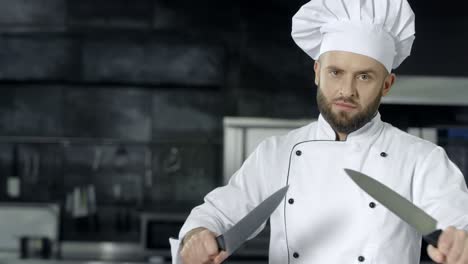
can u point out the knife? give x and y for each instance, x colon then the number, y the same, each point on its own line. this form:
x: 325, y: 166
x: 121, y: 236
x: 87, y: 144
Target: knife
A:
x: 406, y: 210
x: 232, y: 239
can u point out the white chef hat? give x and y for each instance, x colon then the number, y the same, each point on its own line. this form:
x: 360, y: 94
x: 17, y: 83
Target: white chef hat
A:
x: 380, y: 29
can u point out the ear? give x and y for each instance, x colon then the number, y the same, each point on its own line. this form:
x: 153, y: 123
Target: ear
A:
x: 388, y: 83
x: 317, y: 72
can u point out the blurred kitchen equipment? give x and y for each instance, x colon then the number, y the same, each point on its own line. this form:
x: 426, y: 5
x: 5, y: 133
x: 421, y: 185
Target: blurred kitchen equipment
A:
x: 81, y: 205
x: 121, y: 157
x: 173, y: 161
x: 14, y: 180
x: 23, y: 225
x: 30, y: 160
x: 243, y: 134
x: 97, y: 160
x: 35, y: 247
x: 156, y: 228
x: 148, y: 168
x: 81, y: 201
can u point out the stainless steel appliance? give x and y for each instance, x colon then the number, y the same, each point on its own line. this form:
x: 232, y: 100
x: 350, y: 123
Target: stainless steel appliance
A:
x: 29, y: 230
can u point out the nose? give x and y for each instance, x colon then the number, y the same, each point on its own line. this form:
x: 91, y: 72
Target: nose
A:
x: 348, y: 88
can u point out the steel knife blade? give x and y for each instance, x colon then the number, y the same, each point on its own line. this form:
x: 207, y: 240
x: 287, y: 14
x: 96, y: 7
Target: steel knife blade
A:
x: 232, y: 239
x: 406, y: 210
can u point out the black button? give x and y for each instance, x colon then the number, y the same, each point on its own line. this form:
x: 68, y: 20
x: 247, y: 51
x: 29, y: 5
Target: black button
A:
x: 372, y: 205
x: 383, y: 154
x: 298, y: 153
x: 361, y: 259
x: 291, y: 201
x: 296, y: 255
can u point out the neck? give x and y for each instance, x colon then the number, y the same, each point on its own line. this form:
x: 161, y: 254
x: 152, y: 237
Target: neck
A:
x: 341, y: 136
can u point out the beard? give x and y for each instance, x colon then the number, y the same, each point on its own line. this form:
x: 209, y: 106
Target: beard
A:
x: 343, y: 122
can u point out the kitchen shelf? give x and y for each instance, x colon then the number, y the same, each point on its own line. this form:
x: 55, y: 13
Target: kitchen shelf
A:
x: 428, y: 90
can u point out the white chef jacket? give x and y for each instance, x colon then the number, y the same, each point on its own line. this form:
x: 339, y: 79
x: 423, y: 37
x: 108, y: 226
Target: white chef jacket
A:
x: 326, y: 217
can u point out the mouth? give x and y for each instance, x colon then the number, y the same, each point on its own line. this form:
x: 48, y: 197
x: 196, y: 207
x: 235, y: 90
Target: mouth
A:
x: 345, y: 106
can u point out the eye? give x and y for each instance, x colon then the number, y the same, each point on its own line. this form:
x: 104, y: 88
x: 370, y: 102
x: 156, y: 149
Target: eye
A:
x: 334, y: 73
x: 363, y: 77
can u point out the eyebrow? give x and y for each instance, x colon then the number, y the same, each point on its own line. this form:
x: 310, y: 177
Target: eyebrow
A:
x: 366, y: 71
x: 331, y: 67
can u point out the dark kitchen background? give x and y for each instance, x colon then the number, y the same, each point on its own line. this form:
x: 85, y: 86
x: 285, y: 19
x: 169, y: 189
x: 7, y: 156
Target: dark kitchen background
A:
x: 113, y: 109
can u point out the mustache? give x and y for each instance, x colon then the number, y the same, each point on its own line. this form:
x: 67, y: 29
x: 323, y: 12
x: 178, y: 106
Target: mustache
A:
x: 348, y: 100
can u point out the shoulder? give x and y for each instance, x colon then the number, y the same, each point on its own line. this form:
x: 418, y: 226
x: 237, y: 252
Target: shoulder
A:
x: 400, y: 140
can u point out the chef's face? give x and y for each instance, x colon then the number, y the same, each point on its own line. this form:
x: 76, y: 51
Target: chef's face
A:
x: 350, y: 87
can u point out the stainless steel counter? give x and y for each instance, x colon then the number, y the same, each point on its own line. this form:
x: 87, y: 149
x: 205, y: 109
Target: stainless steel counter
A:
x: 109, y: 253
x: 105, y: 253
x: 39, y: 261
x: 85, y: 252
x: 20, y: 261
x: 103, y: 262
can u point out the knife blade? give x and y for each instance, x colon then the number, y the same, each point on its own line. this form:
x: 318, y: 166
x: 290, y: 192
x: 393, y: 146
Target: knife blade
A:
x: 406, y: 210
x: 232, y: 239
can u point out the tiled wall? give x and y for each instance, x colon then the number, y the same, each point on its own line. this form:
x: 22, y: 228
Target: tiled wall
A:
x: 141, y: 150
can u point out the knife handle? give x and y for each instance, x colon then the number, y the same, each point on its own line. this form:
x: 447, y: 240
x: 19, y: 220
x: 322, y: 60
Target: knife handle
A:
x: 221, y: 243
x: 433, y: 237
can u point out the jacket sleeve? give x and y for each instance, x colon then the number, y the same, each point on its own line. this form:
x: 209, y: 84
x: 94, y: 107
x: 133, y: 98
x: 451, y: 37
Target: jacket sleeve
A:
x: 440, y: 190
x: 225, y: 206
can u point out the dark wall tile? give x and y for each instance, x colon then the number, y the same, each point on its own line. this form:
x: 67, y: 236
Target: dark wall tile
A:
x: 182, y: 112
x: 458, y: 154
x: 152, y: 62
x: 439, y: 48
x: 278, y: 105
x: 433, y: 9
x: 196, y: 16
x: 110, y: 13
x: 37, y: 58
x: 404, y: 116
x: 271, y: 61
x: 462, y: 115
x: 79, y: 165
x: 35, y: 15
x: 122, y: 113
x: 31, y: 110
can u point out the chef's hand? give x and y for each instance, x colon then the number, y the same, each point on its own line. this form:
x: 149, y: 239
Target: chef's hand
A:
x: 200, y: 247
x: 452, y: 247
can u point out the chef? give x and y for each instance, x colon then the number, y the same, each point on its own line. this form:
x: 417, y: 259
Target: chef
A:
x: 325, y: 217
